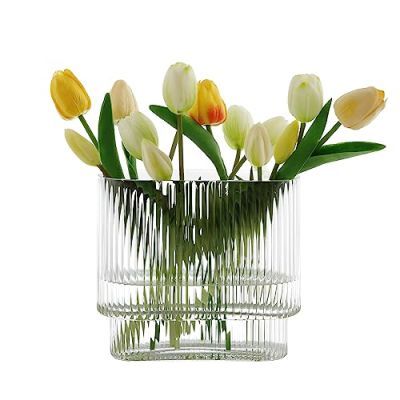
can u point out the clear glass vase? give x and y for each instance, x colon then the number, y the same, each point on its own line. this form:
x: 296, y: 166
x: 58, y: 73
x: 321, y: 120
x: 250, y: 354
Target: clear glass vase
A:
x: 198, y: 269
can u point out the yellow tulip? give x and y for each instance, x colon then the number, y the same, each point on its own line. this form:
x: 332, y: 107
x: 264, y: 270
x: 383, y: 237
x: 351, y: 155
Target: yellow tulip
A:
x: 157, y: 164
x: 179, y: 88
x: 209, y: 108
x: 286, y: 142
x: 82, y: 148
x: 69, y: 95
x: 358, y: 108
x: 258, y: 146
x: 305, y: 97
x: 236, y: 126
x: 123, y: 101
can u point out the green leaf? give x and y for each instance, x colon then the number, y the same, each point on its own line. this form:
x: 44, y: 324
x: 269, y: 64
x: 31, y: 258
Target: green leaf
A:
x: 131, y: 163
x: 198, y: 135
x: 107, y: 147
x: 295, y: 162
x: 340, y: 151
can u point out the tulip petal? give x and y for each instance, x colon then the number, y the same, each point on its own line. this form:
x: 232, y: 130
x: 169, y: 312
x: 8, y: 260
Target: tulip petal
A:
x: 82, y: 148
x: 157, y: 164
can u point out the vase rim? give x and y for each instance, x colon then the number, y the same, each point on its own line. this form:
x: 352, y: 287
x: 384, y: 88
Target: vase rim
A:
x: 108, y: 179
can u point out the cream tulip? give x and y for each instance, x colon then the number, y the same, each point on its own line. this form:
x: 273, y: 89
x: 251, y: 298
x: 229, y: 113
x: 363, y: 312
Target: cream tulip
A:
x: 236, y: 126
x: 123, y: 101
x: 305, y: 98
x: 133, y: 129
x: 158, y: 165
x: 258, y: 146
x: 358, y: 108
x: 179, y: 88
x: 82, y: 148
x: 275, y: 126
x: 286, y: 143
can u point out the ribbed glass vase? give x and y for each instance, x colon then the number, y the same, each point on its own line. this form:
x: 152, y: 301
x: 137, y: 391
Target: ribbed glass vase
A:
x: 198, y: 269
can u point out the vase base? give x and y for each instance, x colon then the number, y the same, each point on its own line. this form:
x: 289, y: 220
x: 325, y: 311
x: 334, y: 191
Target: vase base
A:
x: 251, y: 340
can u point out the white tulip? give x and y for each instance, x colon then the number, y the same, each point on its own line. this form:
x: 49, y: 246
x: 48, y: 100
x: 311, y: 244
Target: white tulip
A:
x: 275, y: 126
x: 258, y: 146
x: 179, y: 88
x: 133, y: 129
x: 236, y: 126
x: 123, y: 101
x: 305, y: 97
x: 158, y: 165
x: 82, y: 148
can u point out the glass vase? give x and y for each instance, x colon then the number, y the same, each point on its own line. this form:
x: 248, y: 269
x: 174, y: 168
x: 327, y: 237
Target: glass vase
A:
x: 198, y: 269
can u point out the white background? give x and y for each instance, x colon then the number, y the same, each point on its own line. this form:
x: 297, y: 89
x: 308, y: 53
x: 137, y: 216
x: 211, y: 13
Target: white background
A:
x: 54, y: 345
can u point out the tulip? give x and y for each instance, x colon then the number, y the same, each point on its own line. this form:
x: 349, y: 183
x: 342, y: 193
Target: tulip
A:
x: 236, y: 126
x: 133, y: 129
x: 286, y: 142
x: 305, y: 97
x: 209, y: 108
x: 179, y: 88
x: 275, y: 126
x: 158, y: 165
x: 69, y: 95
x: 82, y: 148
x: 123, y: 101
x: 358, y: 108
x: 258, y: 146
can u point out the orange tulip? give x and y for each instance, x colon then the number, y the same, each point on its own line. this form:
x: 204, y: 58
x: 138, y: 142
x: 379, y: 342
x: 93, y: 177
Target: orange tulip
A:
x: 209, y: 108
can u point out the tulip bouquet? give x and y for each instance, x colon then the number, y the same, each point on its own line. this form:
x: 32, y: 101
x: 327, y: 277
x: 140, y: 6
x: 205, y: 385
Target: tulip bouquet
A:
x: 195, y: 268
x: 193, y: 108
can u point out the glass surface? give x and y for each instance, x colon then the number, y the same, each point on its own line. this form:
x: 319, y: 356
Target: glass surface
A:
x: 198, y: 269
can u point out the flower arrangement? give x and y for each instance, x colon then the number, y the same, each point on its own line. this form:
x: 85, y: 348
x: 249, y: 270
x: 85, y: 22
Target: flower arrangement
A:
x: 204, y: 269
x: 193, y: 108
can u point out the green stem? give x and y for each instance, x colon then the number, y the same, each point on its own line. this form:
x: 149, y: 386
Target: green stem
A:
x: 89, y: 131
x: 208, y: 127
x: 301, y: 132
x: 259, y: 173
x: 180, y: 146
x: 131, y: 163
x: 237, y: 167
x: 274, y: 171
x: 251, y: 177
x: 173, y: 146
x: 103, y: 170
x: 327, y: 136
x: 237, y: 157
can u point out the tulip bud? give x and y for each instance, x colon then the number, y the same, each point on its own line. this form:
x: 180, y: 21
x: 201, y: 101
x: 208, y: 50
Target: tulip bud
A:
x: 209, y: 108
x: 275, y: 126
x: 123, y: 101
x: 305, y: 97
x: 358, y: 108
x: 69, y: 95
x: 258, y: 146
x: 133, y: 129
x: 236, y: 126
x: 286, y: 142
x: 158, y: 165
x: 82, y: 148
x: 179, y: 88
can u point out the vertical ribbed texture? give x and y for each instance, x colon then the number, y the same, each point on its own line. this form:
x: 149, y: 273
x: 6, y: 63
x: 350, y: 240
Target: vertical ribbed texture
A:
x: 204, y: 262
